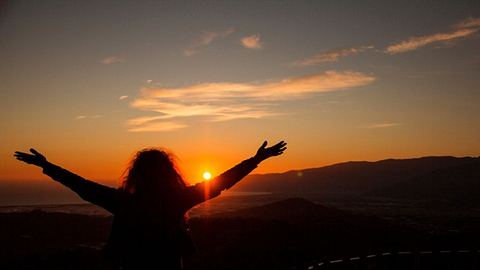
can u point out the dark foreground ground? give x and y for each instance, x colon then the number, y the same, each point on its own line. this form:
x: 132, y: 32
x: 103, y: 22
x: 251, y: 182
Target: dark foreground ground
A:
x: 288, y: 234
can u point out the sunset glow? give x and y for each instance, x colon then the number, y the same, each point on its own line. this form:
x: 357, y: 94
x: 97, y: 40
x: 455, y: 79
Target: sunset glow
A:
x: 337, y: 81
x: 239, y: 134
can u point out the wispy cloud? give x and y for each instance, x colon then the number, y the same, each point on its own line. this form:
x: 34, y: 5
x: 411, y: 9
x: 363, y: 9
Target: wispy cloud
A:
x: 205, y: 39
x: 330, y: 56
x: 112, y: 60
x: 252, y: 42
x: 223, y: 101
x: 382, y: 125
x: 157, y: 127
x: 462, y: 29
x: 469, y: 22
x: 122, y: 97
x: 81, y: 117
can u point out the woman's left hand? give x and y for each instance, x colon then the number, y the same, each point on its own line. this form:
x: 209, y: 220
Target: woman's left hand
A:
x: 36, y: 159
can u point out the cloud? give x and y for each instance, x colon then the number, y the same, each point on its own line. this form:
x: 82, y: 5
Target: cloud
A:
x: 81, y: 117
x: 252, y: 42
x: 418, y: 42
x: 330, y: 56
x: 382, y: 125
x: 462, y: 29
x: 156, y: 127
x: 112, y: 60
x: 224, y: 101
x: 122, y: 97
x: 205, y: 39
x: 468, y: 23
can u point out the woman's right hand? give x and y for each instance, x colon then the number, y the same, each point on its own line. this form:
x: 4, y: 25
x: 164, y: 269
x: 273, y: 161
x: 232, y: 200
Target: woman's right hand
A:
x: 36, y: 159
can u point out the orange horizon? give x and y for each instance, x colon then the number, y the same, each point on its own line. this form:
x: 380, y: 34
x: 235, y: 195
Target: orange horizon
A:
x: 192, y: 167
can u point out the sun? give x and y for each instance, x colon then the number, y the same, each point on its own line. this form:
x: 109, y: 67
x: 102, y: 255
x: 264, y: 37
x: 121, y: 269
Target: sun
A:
x: 207, y: 175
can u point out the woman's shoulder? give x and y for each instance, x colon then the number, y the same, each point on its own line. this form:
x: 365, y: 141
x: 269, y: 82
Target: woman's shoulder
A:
x: 123, y: 197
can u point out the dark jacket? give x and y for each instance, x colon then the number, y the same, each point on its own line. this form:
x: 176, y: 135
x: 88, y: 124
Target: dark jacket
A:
x: 146, y: 231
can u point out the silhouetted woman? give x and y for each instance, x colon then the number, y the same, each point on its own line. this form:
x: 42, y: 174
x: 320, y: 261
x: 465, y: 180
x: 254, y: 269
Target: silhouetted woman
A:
x: 149, y: 227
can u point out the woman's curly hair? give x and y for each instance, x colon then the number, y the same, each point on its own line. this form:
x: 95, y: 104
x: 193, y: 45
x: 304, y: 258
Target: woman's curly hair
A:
x: 152, y: 170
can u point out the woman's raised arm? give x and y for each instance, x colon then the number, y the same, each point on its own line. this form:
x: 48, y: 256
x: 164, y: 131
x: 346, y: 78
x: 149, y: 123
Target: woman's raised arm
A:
x: 209, y: 189
x: 90, y: 191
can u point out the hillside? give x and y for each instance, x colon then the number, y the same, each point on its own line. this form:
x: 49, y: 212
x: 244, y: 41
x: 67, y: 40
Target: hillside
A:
x: 350, y: 178
x: 456, y: 185
x: 292, y: 210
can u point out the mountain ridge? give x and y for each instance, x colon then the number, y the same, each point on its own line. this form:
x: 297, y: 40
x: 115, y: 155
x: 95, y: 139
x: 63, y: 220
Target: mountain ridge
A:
x: 339, y: 180
x: 367, y: 162
x: 353, y: 178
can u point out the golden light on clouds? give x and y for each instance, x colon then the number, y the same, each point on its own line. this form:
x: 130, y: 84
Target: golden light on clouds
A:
x: 383, y: 125
x: 158, y: 126
x: 331, y: 56
x: 180, y: 76
x: 252, y: 42
x: 223, y: 101
x: 205, y: 39
x: 463, y: 29
x: 112, y: 60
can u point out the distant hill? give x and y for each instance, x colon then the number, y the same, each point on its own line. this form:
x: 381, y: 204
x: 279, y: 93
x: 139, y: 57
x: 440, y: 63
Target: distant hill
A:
x: 352, y: 178
x: 455, y: 185
x: 293, y: 209
x: 300, y: 211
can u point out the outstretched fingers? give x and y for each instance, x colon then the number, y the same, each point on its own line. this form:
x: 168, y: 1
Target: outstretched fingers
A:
x: 35, y: 159
x: 280, y: 151
x: 275, y: 150
x: 280, y: 145
x: 264, y: 144
x: 23, y: 156
x: 36, y: 153
x: 278, y: 148
x: 20, y: 154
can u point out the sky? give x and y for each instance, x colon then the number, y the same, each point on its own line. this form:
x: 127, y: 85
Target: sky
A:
x: 88, y: 83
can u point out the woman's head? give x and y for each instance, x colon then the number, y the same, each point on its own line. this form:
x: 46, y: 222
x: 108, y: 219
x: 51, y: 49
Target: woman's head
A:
x: 152, y: 171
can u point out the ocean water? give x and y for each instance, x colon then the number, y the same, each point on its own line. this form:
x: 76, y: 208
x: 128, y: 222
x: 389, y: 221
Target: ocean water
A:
x: 230, y: 201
